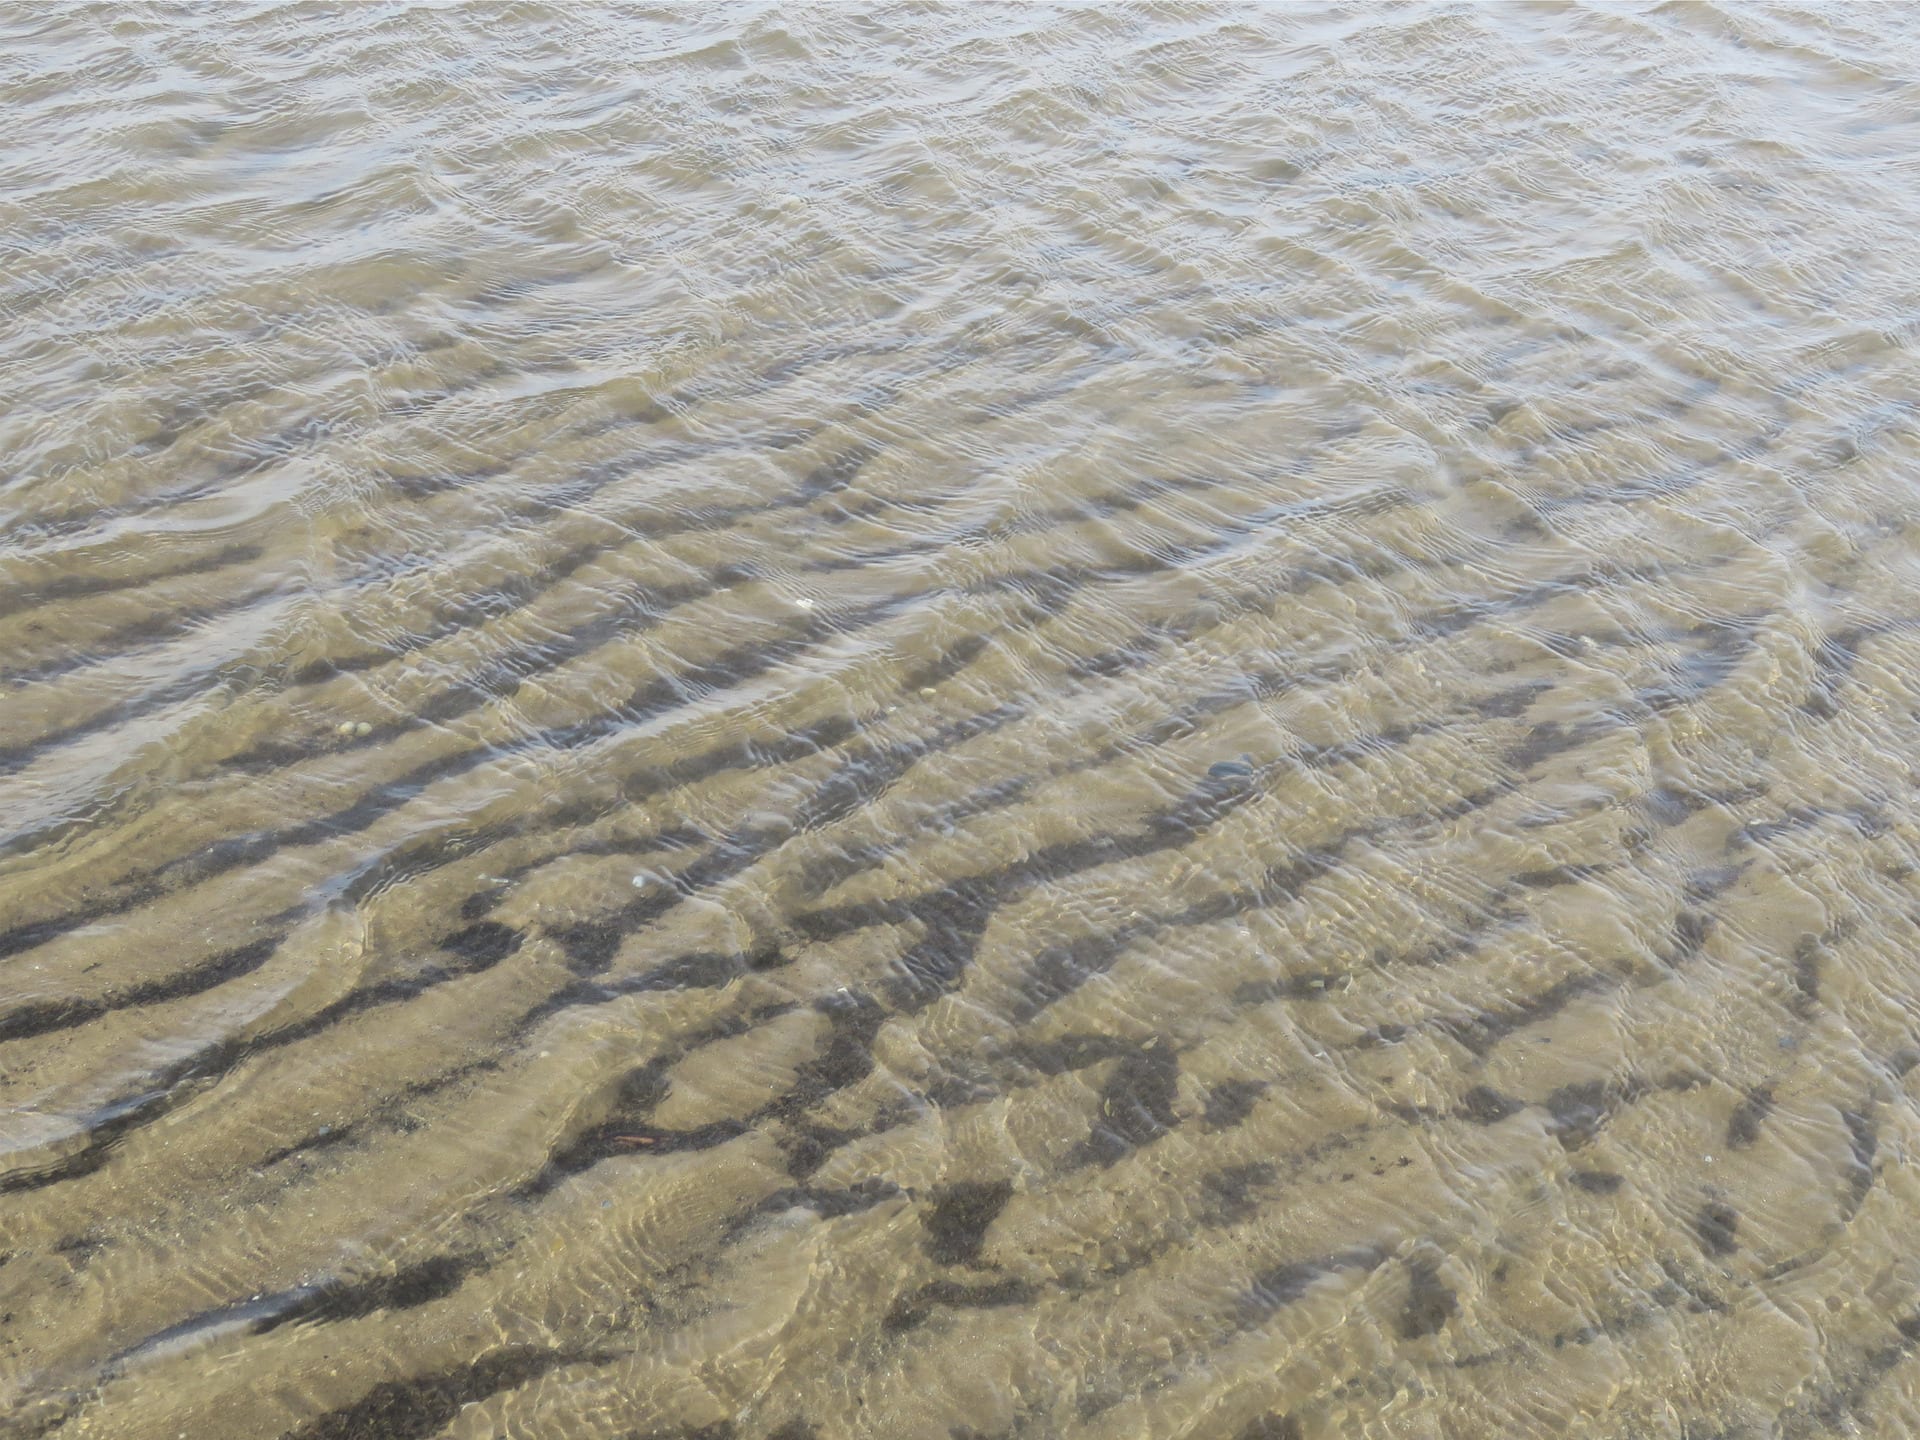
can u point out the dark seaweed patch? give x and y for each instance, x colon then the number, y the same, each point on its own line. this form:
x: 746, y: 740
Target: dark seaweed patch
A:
x: 830, y: 1204
x: 1743, y: 1128
x: 1596, y: 1182
x: 1716, y: 1227
x: 325, y: 1138
x: 1512, y: 701
x: 807, y: 1146
x: 1430, y: 1301
x: 1668, y: 805
x: 80, y: 1247
x: 1551, y: 738
x: 1281, y: 1285
x: 414, y: 1285
x: 1723, y: 644
x: 853, y: 1021
x: 1807, y: 959
x: 1486, y: 1106
x: 483, y: 944
x: 1863, y: 1144
x: 1580, y: 1110
x: 414, y: 1408
x: 590, y: 946
x: 1234, y: 1193
x: 1072, y: 1052
x: 1136, y: 1105
x: 956, y: 1222
x: 77, y: 584
x: 696, y: 970
x: 914, y: 1309
x: 1059, y: 970
x: 1231, y: 1101
x: 1690, y: 931
x: 1481, y: 1033
x: 1551, y: 876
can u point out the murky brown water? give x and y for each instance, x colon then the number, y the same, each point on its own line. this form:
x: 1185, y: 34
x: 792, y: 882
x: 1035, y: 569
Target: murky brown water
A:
x: 965, y: 723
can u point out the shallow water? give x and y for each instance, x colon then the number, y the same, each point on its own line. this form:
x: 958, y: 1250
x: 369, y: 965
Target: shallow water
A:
x: 971, y: 722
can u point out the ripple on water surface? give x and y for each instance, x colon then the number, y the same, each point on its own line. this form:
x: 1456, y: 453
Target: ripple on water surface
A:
x: 1171, y: 721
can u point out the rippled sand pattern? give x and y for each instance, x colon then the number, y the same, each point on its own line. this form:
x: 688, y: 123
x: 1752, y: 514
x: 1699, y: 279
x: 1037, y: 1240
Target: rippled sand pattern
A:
x: 968, y: 723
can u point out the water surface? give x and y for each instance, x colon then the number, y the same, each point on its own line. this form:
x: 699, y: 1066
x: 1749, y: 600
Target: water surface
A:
x: 966, y: 722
